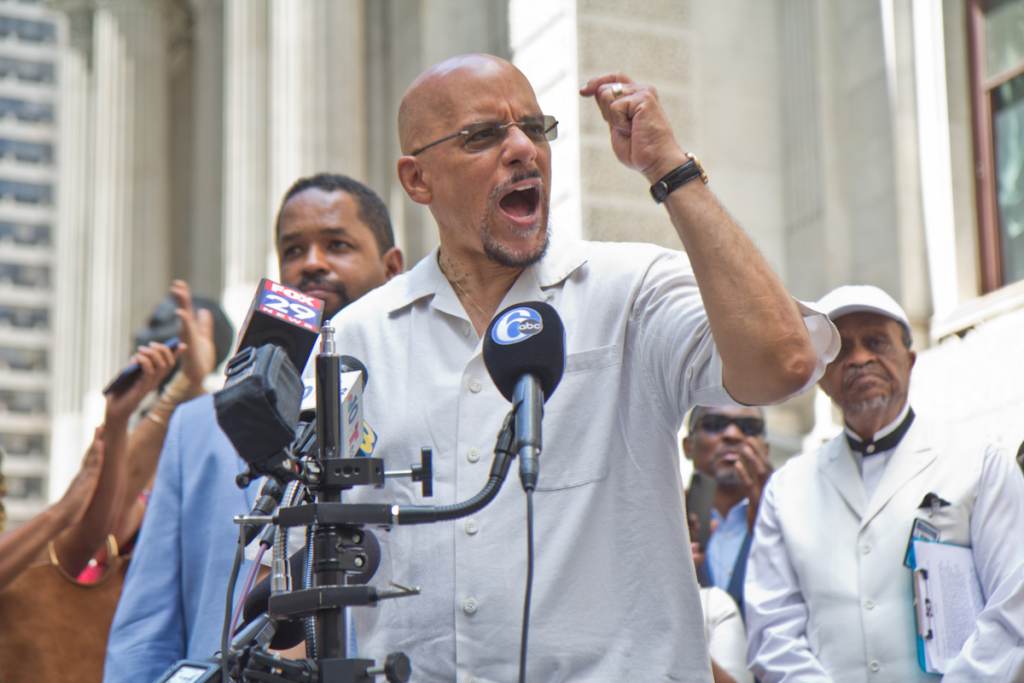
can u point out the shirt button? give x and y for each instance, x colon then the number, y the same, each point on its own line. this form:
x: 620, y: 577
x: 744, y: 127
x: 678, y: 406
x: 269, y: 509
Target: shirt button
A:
x: 866, y: 548
x: 472, y: 527
x: 475, y: 386
x: 875, y: 666
x: 869, y: 604
x: 473, y: 455
x: 469, y: 605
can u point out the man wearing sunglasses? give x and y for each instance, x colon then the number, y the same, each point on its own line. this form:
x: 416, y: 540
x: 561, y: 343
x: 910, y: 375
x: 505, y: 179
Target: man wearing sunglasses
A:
x: 829, y: 585
x: 647, y: 335
x: 730, y: 459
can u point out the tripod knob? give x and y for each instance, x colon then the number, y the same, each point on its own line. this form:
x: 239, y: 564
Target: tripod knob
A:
x: 424, y: 472
x: 242, y: 479
x: 397, y: 668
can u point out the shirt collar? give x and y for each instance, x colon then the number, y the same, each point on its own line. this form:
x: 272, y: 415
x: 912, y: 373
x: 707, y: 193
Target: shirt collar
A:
x: 426, y: 279
x: 886, y: 438
x: 739, y: 509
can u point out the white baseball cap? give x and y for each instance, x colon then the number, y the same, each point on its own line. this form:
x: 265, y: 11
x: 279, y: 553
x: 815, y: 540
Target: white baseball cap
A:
x: 861, y: 299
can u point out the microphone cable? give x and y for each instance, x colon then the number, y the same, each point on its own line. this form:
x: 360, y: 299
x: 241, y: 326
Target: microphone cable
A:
x: 236, y: 566
x: 250, y: 579
x: 269, y: 502
x: 524, y: 636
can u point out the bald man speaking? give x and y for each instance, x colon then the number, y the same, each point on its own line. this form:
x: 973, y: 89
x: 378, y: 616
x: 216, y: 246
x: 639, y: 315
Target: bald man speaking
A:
x: 649, y: 332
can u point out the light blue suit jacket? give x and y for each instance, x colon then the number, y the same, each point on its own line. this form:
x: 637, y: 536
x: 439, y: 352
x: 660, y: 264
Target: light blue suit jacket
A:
x: 172, y: 606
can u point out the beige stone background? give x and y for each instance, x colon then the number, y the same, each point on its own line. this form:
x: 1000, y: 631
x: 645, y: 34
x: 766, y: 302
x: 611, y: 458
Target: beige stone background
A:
x: 837, y: 133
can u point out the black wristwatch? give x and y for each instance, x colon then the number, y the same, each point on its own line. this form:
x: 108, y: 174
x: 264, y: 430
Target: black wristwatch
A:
x: 677, y: 177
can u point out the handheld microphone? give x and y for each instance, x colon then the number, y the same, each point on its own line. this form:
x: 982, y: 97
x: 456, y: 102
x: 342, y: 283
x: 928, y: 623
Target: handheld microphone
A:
x: 131, y: 373
x: 283, y: 317
x: 524, y: 351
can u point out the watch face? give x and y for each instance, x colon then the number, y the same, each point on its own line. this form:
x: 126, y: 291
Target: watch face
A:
x: 659, y: 191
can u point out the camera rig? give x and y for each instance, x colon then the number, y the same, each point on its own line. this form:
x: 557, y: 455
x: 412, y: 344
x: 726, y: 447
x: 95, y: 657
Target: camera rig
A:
x: 342, y: 553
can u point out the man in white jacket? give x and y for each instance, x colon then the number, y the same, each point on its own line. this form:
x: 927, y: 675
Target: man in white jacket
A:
x: 828, y: 597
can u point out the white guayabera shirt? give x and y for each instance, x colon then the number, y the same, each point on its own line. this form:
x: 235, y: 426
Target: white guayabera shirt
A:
x: 614, y: 593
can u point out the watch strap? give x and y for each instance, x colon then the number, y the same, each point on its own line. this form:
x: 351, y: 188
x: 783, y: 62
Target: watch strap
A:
x: 678, y: 177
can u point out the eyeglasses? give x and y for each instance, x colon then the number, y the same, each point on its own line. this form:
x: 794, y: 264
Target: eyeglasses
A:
x: 480, y: 136
x: 716, y: 424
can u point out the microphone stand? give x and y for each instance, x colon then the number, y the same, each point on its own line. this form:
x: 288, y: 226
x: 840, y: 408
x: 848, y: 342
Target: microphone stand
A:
x: 342, y: 546
x: 327, y: 539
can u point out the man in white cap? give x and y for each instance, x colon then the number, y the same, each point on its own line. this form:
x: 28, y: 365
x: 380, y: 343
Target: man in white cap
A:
x: 828, y: 596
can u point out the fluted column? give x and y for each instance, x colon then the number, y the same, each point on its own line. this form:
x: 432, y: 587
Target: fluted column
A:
x: 128, y: 254
x: 74, y: 195
x: 205, y: 223
x: 318, y: 101
x: 247, y: 214
x: 541, y: 35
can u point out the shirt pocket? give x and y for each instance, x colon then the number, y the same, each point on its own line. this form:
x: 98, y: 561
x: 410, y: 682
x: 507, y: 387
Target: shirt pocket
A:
x: 953, y: 522
x: 580, y: 418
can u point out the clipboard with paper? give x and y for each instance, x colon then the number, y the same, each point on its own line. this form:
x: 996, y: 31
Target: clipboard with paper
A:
x: 947, y: 601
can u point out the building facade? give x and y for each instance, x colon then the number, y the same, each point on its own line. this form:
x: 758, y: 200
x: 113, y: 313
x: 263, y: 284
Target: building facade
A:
x: 873, y: 142
x: 28, y: 220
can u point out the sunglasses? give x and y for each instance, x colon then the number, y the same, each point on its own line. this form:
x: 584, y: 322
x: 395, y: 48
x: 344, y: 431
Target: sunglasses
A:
x: 481, y: 136
x: 716, y: 424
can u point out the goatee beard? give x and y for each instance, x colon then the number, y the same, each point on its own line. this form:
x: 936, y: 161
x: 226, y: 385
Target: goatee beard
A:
x: 497, y: 252
x: 875, y: 403
x: 321, y: 282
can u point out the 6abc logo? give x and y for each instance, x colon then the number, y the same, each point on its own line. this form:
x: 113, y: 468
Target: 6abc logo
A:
x: 516, y: 325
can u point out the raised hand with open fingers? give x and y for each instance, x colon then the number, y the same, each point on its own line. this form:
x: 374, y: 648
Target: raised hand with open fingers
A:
x: 200, y: 355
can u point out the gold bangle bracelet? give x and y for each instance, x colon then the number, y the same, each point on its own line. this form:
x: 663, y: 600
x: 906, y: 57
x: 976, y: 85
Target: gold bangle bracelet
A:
x: 151, y: 415
x: 51, y: 550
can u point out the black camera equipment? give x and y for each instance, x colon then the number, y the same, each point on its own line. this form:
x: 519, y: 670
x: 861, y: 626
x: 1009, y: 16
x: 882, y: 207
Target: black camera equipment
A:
x: 341, y: 551
x: 318, y: 458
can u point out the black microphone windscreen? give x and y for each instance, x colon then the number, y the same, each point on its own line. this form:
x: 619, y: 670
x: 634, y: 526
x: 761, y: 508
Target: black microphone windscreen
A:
x: 526, y: 338
x: 258, y: 408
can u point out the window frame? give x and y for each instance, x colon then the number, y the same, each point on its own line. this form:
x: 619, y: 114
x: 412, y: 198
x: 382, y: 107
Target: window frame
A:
x: 989, y: 237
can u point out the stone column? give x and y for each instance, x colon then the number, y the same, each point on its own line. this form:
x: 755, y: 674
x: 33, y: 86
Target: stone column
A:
x: 247, y: 215
x: 74, y: 201
x: 205, y: 215
x: 809, y: 192
x: 402, y: 39
x: 935, y: 156
x: 130, y: 241
x: 910, y: 258
x: 318, y: 92
x: 541, y: 36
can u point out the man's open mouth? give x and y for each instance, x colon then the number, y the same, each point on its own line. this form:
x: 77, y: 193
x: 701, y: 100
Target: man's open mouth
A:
x: 521, y: 202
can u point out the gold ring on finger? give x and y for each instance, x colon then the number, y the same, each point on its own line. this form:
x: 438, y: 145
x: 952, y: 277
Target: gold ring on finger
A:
x: 616, y: 91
